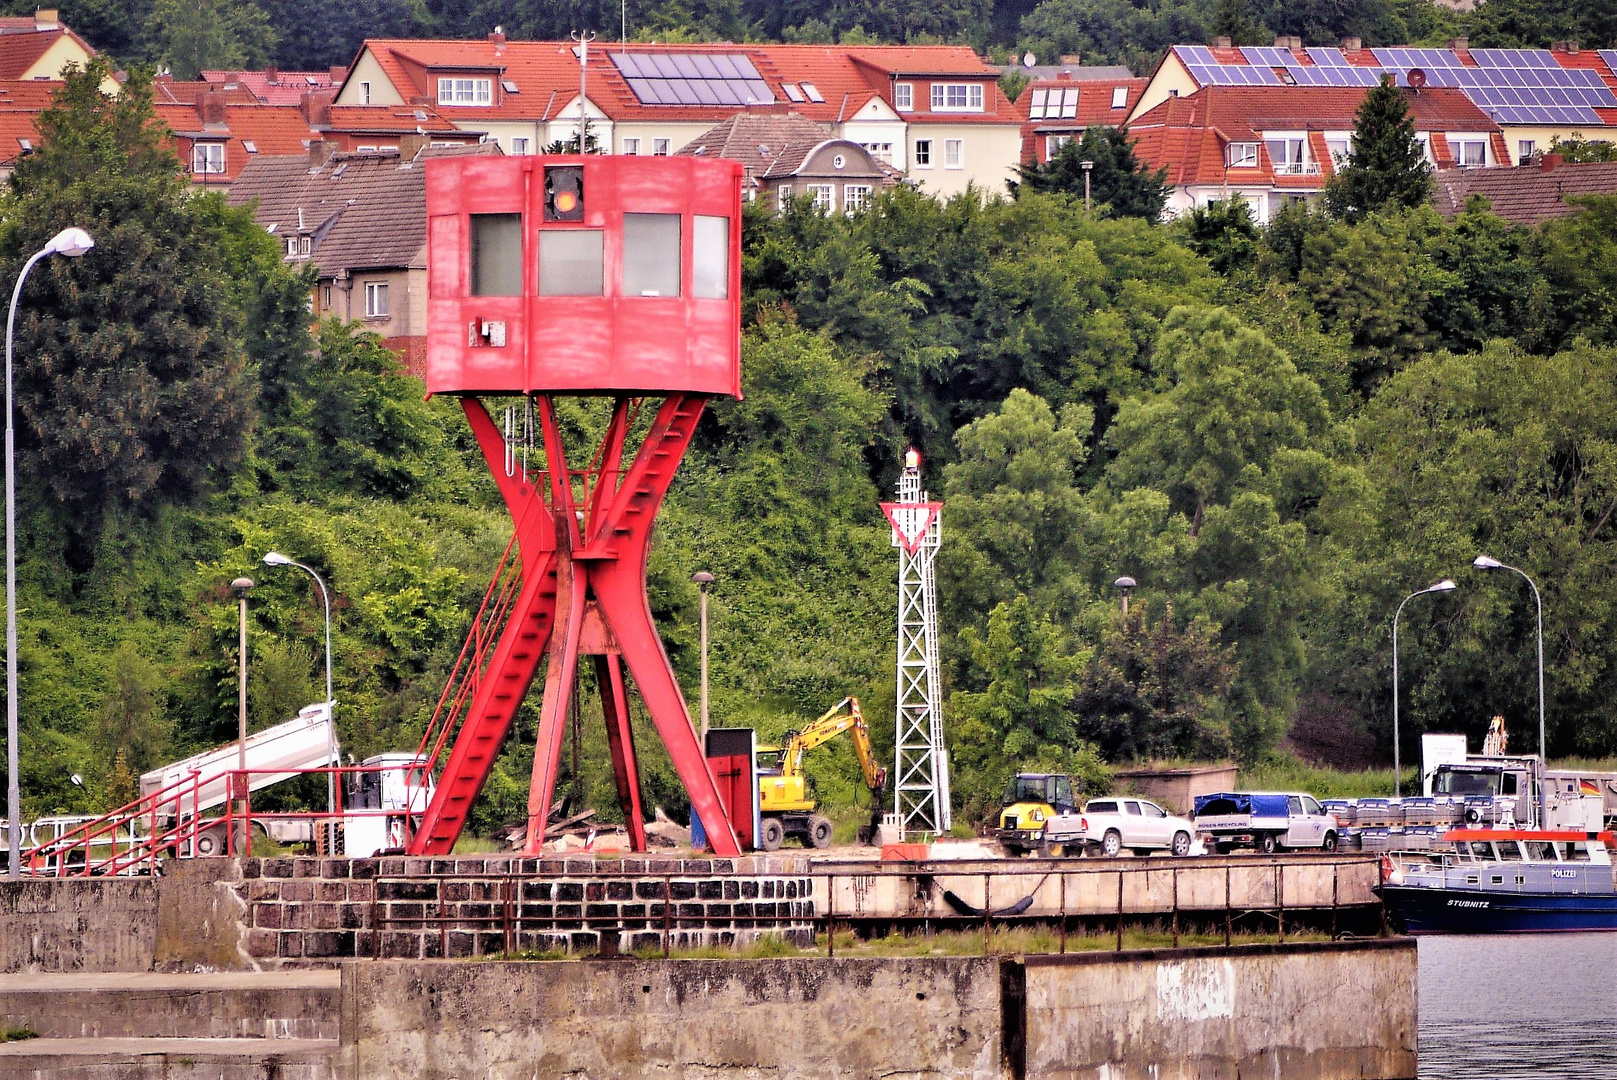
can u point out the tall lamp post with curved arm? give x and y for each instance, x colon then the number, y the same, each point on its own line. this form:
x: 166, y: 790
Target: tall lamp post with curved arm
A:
x: 1446, y: 585
x: 275, y: 558
x: 71, y: 242
x: 1484, y: 562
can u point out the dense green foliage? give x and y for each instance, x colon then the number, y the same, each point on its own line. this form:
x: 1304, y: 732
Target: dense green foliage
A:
x: 1388, y: 166
x: 1279, y: 432
x: 1114, y: 179
x: 189, y: 35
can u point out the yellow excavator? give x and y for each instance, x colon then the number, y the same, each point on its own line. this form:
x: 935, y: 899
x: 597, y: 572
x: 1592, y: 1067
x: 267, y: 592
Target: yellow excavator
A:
x: 783, y: 799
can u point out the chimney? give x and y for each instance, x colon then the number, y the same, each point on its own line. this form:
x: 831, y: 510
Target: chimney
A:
x: 1459, y: 44
x: 1549, y: 161
x: 1568, y: 47
x: 1220, y: 41
x: 46, y: 19
x: 412, y: 144
x: 497, y: 39
x: 272, y: 75
x: 315, y: 105
x: 320, y: 151
x: 339, y: 74
x: 1282, y: 41
x: 1352, y: 44
x: 211, y: 105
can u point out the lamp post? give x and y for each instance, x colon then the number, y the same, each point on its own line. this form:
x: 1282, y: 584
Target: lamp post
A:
x: 1124, y: 586
x: 704, y: 579
x: 1484, y: 562
x: 72, y: 243
x: 1446, y: 585
x: 240, y: 587
x: 275, y: 558
x: 1086, y: 166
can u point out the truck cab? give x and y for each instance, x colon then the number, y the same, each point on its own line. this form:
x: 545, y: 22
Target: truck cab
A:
x: 382, y: 804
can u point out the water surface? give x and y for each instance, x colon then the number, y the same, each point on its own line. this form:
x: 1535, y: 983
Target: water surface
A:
x: 1539, y: 1005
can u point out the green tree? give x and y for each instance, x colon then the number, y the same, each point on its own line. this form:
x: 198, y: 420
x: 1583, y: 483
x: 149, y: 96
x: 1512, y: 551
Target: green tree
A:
x: 1223, y: 233
x: 1388, y: 166
x: 1233, y: 19
x: 190, y: 36
x: 131, y: 382
x: 131, y: 719
x: 1582, y: 150
x: 1117, y: 180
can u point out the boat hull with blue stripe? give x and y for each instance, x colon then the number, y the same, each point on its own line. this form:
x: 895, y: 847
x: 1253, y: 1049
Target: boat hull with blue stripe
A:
x: 1504, y: 881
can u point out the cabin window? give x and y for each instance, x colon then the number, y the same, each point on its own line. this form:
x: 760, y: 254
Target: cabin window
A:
x: 1497, y: 879
x: 570, y: 262
x: 1574, y: 851
x: 711, y: 257
x: 1294, y: 806
x: 1539, y: 850
x: 1509, y: 784
x: 1508, y: 850
x: 651, y: 255
x: 1102, y: 808
x: 496, y: 254
x: 1482, y: 849
x: 1063, y: 791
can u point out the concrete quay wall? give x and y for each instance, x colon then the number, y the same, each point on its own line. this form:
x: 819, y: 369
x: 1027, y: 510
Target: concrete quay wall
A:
x: 1319, y: 1011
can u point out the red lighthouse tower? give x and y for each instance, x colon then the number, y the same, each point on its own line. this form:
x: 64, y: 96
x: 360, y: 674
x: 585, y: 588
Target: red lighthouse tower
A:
x: 615, y: 277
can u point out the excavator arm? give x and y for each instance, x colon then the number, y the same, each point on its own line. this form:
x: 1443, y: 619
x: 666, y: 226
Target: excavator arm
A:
x: 843, y: 716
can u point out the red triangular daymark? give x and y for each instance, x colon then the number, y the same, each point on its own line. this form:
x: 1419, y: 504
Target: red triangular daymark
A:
x: 911, y: 522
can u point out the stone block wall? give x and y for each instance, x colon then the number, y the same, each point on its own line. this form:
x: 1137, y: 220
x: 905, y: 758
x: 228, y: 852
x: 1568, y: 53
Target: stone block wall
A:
x: 309, y: 911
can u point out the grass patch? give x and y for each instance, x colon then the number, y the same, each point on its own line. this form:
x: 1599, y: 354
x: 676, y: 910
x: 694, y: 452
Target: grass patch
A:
x: 1012, y: 941
x: 478, y: 845
x: 1290, y: 774
x: 11, y: 1034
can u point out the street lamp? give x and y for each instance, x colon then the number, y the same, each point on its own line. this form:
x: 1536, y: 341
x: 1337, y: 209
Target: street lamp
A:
x: 1124, y: 585
x: 1086, y: 166
x: 704, y: 579
x: 1446, y: 585
x: 72, y: 243
x: 240, y: 587
x: 275, y: 558
x: 1484, y: 562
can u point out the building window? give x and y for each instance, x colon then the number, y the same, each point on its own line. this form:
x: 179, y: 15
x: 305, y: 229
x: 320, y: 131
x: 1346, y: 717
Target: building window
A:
x: 1243, y: 155
x: 824, y: 195
x: 571, y: 262
x: 299, y: 246
x: 784, y: 193
x: 325, y: 296
x: 710, y: 257
x: 904, y: 96
x: 1340, y: 149
x: 376, y: 299
x: 520, y: 146
x: 882, y: 151
x: 1425, y: 141
x: 923, y: 153
x: 855, y: 197
x: 465, y: 91
x: 208, y: 158
x: 659, y: 147
x: 651, y: 254
x: 1286, y: 156
x: 496, y: 254
x: 1525, y: 149
x: 957, y: 97
x: 364, y: 93
x: 1470, y: 153
x: 1120, y: 96
x: 631, y: 146
x: 954, y: 153
x: 1054, y: 143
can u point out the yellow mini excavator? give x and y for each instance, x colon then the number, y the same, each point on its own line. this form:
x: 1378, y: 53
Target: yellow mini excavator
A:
x: 783, y: 799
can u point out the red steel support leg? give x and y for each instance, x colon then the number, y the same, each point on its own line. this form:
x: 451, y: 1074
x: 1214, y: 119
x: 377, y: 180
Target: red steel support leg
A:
x: 571, y: 579
x: 620, y: 740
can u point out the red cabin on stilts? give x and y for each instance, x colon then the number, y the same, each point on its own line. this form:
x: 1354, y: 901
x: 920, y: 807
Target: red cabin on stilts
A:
x: 616, y: 277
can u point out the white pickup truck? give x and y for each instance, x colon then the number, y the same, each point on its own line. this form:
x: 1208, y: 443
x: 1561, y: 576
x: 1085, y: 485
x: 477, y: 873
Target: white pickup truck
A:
x: 1119, y: 822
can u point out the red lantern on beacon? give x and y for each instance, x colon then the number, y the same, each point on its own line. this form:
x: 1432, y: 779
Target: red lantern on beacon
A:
x: 609, y: 276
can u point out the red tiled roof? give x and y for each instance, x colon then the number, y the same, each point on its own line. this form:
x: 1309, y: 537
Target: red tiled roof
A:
x: 287, y: 88
x: 546, y: 75
x: 394, y: 119
x: 272, y: 129
x: 1094, y: 107
x: 1525, y: 194
x: 19, y: 52
x: 169, y: 91
x: 1189, y: 134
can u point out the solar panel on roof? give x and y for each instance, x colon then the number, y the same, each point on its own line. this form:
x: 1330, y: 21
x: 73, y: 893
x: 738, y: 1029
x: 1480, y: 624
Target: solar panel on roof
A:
x: 1327, y: 57
x: 1196, y: 54
x: 1268, y: 55
x: 1610, y: 57
x: 694, y: 79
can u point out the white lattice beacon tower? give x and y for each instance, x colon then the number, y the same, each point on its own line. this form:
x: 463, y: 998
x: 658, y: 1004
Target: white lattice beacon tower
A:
x: 921, y: 761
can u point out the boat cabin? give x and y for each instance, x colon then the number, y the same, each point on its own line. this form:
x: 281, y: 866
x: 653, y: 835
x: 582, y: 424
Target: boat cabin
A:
x: 1511, y: 860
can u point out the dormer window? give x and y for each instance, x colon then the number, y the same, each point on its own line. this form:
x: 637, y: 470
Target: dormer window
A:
x: 1243, y: 155
x: 459, y: 91
x: 904, y: 96
x: 957, y: 97
x: 207, y: 158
